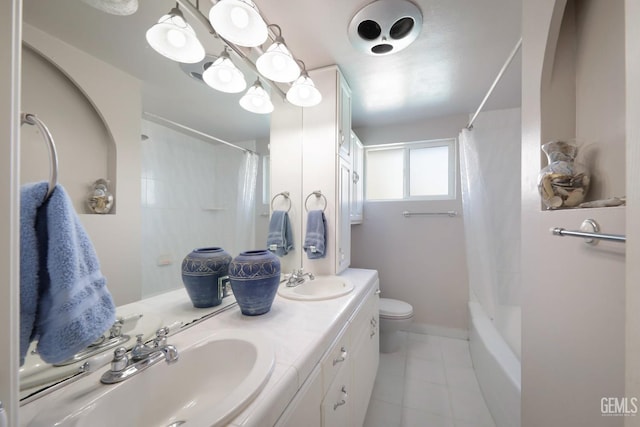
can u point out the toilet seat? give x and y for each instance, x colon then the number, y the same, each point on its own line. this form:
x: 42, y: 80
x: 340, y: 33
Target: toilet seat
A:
x: 395, y: 309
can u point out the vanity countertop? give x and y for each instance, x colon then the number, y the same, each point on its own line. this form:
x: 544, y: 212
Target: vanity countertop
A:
x: 300, y: 331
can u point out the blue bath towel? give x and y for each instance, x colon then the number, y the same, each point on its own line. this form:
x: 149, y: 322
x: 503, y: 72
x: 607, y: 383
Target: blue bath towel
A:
x: 316, y: 238
x: 280, y: 238
x: 66, y: 302
x: 31, y: 198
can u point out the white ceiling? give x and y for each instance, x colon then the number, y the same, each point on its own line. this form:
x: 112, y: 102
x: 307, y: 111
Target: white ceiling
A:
x: 447, y: 70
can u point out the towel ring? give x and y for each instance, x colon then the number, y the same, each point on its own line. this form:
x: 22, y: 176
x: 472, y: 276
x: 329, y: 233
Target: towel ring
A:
x: 284, y: 194
x: 32, y: 119
x: 318, y: 194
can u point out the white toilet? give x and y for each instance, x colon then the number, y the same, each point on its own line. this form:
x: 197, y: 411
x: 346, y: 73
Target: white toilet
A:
x: 395, y: 315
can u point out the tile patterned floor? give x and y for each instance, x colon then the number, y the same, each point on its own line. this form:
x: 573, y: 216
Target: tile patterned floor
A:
x: 429, y: 382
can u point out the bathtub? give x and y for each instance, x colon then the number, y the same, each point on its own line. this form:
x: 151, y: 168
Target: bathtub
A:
x: 497, y: 368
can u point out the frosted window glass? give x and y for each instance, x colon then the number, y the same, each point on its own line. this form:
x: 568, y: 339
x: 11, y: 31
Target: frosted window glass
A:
x: 384, y: 176
x: 429, y: 171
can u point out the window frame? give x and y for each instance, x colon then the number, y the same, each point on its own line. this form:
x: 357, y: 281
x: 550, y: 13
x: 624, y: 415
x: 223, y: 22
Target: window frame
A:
x: 451, y: 143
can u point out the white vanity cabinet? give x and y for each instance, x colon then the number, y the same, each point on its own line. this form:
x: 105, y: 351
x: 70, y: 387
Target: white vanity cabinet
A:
x: 338, y: 391
x: 357, y: 177
x: 347, y: 398
x: 366, y: 356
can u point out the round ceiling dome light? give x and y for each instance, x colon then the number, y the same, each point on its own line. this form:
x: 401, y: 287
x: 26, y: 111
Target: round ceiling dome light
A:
x: 385, y: 26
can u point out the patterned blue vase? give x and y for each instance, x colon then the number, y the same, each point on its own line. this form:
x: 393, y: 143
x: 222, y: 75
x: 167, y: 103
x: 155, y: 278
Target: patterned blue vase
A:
x: 204, y: 273
x: 255, y: 276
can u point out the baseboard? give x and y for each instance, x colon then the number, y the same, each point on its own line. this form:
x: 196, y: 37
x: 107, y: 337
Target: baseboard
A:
x: 424, y: 328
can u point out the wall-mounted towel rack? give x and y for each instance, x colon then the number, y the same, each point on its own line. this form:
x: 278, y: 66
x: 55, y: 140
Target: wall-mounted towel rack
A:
x: 284, y: 194
x: 589, y: 230
x: 32, y: 119
x: 318, y: 195
x: 408, y: 214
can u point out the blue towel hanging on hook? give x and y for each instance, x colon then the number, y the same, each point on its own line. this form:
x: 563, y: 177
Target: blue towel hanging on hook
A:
x: 315, y: 241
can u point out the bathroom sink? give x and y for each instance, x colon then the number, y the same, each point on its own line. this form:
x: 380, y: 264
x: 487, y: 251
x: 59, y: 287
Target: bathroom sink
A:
x: 212, y: 381
x: 321, y: 288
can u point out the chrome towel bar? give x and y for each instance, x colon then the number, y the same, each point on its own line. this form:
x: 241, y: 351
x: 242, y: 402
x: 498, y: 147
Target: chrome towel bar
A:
x: 285, y: 195
x: 318, y: 195
x: 32, y: 119
x: 450, y: 214
x: 589, y: 230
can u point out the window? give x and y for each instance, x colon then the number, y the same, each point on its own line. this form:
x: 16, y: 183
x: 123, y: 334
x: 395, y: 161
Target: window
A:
x: 411, y: 171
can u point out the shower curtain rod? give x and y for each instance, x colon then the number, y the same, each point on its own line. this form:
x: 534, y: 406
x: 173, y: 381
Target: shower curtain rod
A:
x: 162, y: 121
x: 495, y: 82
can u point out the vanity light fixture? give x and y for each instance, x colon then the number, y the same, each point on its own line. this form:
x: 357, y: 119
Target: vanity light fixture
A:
x: 224, y: 76
x: 303, y: 92
x: 239, y: 21
x: 257, y: 99
x: 114, y: 7
x: 175, y: 39
x: 277, y: 63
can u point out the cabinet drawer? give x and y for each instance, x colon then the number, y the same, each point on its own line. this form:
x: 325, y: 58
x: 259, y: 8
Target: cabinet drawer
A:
x: 336, y: 405
x: 337, y: 357
x: 366, y: 315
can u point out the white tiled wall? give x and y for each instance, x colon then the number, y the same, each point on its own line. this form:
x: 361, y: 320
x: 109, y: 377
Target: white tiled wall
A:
x: 189, y: 191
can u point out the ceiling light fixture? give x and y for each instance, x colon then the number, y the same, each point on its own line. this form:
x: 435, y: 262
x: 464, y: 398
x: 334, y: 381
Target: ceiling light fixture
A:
x: 257, y: 99
x: 239, y: 21
x: 303, y: 92
x: 239, y: 25
x: 277, y: 63
x: 173, y: 38
x: 224, y: 76
x: 114, y: 7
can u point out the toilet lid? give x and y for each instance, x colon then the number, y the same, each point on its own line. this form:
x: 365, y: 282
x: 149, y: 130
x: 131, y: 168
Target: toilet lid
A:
x: 393, y: 308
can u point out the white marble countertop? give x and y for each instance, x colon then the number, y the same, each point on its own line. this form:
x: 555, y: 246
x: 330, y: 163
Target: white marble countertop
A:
x: 300, y: 331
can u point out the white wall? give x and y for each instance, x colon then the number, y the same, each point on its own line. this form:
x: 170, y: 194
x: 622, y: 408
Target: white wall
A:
x: 10, y: 25
x: 420, y: 260
x: 286, y: 172
x: 632, y: 377
x: 118, y: 107
x: 83, y: 144
x: 573, y: 312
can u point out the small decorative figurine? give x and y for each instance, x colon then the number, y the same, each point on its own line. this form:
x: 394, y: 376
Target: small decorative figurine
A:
x: 100, y: 199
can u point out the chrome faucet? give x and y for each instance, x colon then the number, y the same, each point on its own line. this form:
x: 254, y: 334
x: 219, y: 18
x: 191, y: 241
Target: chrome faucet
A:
x: 298, y: 277
x: 142, y: 356
x: 110, y: 339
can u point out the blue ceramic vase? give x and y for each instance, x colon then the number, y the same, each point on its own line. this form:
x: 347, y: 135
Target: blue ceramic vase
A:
x: 204, y: 273
x: 255, y: 276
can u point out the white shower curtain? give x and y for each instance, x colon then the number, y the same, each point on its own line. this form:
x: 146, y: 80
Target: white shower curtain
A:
x: 246, y: 202
x: 480, y: 252
x: 490, y: 181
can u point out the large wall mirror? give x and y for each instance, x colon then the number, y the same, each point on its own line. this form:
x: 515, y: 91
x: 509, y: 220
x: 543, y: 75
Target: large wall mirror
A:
x: 156, y: 132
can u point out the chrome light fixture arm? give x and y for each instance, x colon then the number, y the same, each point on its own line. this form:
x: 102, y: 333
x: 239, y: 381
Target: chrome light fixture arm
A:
x: 194, y: 11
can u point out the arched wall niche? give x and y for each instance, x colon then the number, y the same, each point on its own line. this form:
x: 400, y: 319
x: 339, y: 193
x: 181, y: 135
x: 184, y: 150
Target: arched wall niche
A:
x: 86, y: 149
x: 112, y: 108
x: 583, y: 89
